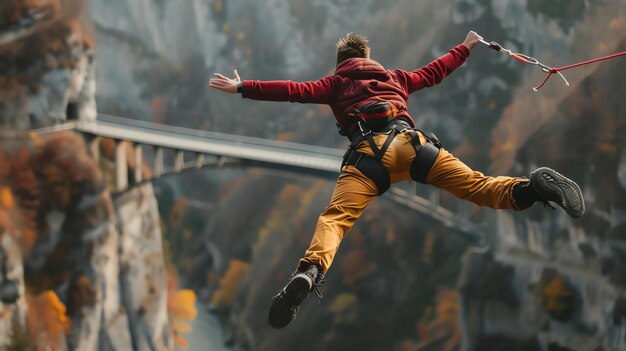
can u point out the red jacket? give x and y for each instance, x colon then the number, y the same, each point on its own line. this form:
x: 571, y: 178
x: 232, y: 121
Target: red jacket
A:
x: 358, y: 81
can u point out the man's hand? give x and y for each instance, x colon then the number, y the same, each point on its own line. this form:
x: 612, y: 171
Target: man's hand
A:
x: 472, y: 39
x: 225, y: 84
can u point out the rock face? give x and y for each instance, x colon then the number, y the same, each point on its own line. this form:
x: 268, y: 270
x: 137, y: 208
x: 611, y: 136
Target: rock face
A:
x: 94, y: 263
x: 88, y: 263
x: 142, y: 272
x: 66, y: 93
x: 12, y: 314
x: 128, y: 278
x: 55, y: 79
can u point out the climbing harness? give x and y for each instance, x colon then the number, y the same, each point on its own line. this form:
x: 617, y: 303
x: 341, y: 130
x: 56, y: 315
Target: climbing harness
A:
x: 545, y: 68
x: 371, y: 167
x: 385, y: 123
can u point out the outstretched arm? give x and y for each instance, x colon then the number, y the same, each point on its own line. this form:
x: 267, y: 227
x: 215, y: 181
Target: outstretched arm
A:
x: 434, y: 72
x: 320, y: 91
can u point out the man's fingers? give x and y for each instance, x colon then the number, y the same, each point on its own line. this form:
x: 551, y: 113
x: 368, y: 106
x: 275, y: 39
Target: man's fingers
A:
x: 236, y: 75
x: 218, y: 85
x: 220, y: 76
x: 219, y: 80
x: 221, y: 84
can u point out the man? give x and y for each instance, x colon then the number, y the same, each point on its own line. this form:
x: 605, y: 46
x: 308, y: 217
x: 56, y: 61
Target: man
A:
x: 370, y: 106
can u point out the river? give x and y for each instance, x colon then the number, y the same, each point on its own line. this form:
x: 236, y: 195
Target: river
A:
x: 206, y: 332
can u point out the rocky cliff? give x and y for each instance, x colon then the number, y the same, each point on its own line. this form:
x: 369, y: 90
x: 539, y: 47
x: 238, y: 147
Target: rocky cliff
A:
x: 88, y: 263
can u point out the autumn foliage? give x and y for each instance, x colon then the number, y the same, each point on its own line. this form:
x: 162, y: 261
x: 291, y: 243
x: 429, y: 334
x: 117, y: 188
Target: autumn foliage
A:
x: 36, y: 177
x: 47, y: 320
x: 558, y: 298
x: 182, y: 310
x: 51, y: 173
x: 236, y: 273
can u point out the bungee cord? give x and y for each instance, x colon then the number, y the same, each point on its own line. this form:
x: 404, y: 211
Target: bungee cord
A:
x: 545, y: 68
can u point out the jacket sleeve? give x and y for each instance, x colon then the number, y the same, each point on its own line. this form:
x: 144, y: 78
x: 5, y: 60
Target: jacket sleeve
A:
x: 434, y: 72
x: 320, y: 91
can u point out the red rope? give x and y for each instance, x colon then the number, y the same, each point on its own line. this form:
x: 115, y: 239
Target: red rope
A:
x: 588, y: 62
x: 557, y: 69
x: 544, y: 82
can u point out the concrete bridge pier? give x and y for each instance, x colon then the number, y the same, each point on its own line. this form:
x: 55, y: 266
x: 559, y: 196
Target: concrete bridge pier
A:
x: 137, y: 152
x: 121, y: 166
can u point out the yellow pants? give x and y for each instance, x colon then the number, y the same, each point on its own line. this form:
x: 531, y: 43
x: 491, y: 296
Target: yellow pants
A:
x: 354, y: 192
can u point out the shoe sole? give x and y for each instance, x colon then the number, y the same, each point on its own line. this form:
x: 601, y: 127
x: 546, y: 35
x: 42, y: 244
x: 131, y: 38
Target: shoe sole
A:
x: 554, y: 187
x: 281, y: 311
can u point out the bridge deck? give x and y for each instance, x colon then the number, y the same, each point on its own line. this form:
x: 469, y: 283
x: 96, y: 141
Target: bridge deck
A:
x: 321, y: 161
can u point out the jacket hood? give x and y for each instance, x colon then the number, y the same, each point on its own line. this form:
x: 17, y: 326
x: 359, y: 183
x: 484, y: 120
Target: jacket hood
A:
x: 362, y: 68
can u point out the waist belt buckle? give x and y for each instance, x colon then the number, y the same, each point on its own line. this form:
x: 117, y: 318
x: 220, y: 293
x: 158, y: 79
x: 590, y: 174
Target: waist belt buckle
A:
x: 362, y: 129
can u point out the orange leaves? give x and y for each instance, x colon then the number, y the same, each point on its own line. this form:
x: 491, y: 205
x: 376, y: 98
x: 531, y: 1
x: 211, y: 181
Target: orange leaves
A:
x: 225, y: 295
x: 290, y: 194
x: 47, y: 320
x: 19, y: 211
x: 6, y: 204
x: 448, y: 307
x: 181, y: 327
x: 447, y: 316
x: 181, y: 341
x: 6, y: 197
x: 285, y: 136
x: 556, y: 294
x: 183, y: 307
x: 182, y: 310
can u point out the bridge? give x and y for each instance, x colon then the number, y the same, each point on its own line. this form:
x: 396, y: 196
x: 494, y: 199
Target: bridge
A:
x: 195, y: 149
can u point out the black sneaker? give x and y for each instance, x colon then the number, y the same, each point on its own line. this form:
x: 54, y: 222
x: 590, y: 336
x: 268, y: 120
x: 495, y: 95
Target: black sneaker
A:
x: 553, y: 186
x: 286, y: 303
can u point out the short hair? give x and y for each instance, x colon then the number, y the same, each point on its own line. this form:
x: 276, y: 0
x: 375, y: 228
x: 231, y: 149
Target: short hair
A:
x: 352, y: 45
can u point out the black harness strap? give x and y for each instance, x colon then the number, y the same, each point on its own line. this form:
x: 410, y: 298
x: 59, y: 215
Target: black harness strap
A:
x: 371, y: 167
x: 380, y: 153
x: 425, y: 155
